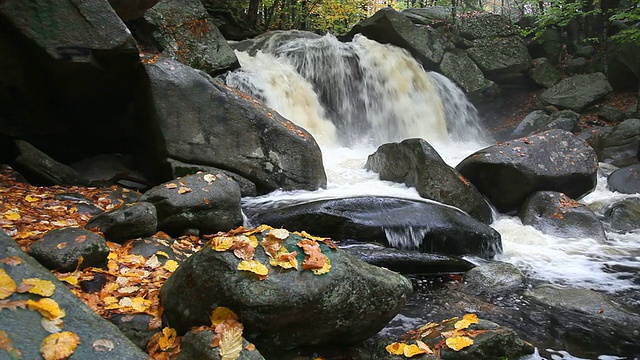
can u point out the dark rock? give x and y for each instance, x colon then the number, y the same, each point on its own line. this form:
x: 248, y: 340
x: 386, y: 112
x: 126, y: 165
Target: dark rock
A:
x: 623, y: 61
x: 198, y: 346
x: 94, y: 285
x: 533, y: 122
x: 388, y: 26
x: 486, y: 25
x: 544, y: 73
x: 24, y: 327
x: 611, y: 113
x: 556, y: 214
x: 621, y: 145
x: 493, y: 278
x: 61, y: 249
x: 135, y: 327
x: 208, y: 202
x: 118, y: 195
x: 129, y: 10
x: 400, y: 223
x: 180, y: 169
x: 290, y: 308
x: 416, y: 163
x: 184, y: 31
x: 575, y: 66
x: 191, y: 112
x: 555, y: 160
x: 577, y: 92
x: 434, y: 16
x: 409, y: 262
x: 566, y: 120
x: 625, y: 180
x: 500, y: 58
x: 457, y: 66
x: 127, y: 222
x: 151, y: 246
x: 623, y: 215
x: 111, y: 169
x: 40, y: 169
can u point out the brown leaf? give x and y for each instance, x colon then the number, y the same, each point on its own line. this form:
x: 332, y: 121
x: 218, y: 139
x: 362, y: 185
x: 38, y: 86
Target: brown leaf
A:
x: 80, y: 239
x: 11, y: 261
x: 12, y: 305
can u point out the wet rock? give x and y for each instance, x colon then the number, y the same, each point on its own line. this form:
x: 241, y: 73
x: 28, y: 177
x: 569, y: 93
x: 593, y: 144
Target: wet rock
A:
x: 416, y: 163
x: 409, y: 262
x: 40, y: 169
x: 611, y: 113
x: 458, y: 66
x: 544, y: 73
x: 566, y: 120
x: 493, y: 278
x: 180, y: 169
x: 556, y: 214
x: 207, y: 202
x: 24, y: 328
x: 507, y: 173
x: 575, y: 66
x: 127, y: 222
x: 623, y: 215
x: 534, y: 121
x: 198, y: 346
x: 400, y: 223
x: 61, y: 249
x: 625, y: 180
x: 620, y: 145
x: 577, y: 92
x: 136, y: 327
x: 290, y: 308
x: 151, y: 246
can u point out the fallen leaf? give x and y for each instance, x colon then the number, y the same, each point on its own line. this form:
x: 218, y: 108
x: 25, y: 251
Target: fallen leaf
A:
x: 31, y: 199
x: 222, y: 243
x: 52, y: 326
x: 459, y: 342
x: 231, y: 343
x: 170, y: 265
x: 162, y: 253
x: 11, y: 261
x: 12, y: 305
x: 167, y: 339
x: 7, y: 345
x: 7, y: 285
x: 466, y: 321
x: 271, y: 245
x: 281, y: 234
x: 170, y: 186
x: 103, y: 345
x: 396, y: 348
x: 314, y: 258
x: 242, y: 248
x: 255, y: 267
x: 250, y: 347
x: 285, y: 259
x: 80, y: 239
x: 11, y: 215
x: 424, y: 347
x: 222, y: 314
x: 61, y: 245
x: 209, y: 178
x: 140, y: 304
x: 47, y: 307
x: 38, y: 286
x: 413, y: 350
x: 184, y: 190
x: 59, y: 346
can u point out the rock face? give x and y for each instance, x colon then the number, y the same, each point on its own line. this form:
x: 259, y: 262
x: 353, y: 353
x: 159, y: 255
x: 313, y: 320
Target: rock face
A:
x: 24, y: 329
x: 198, y: 346
x: 129, y: 10
x: 493, y: 278
x: 61, y: 249
x: 625, y: 180
x: 127, y: 222
x: 501, y: 57
x: 554, y: 160
x: 290, y: 308
x: 41, y: 169
x: 400, y: 223
x: 530, y: 124
x: 544, y: 73
x: 416, y: 163
x: 207, y: 202
x: 621, y: 145
x: 556, y: 214
x: 198, y: 121
x: 578, y: 92
x: 624, y: 215
x: 458, y: 66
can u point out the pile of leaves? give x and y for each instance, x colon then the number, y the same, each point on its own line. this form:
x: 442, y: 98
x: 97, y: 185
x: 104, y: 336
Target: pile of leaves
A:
x: 453, y: 334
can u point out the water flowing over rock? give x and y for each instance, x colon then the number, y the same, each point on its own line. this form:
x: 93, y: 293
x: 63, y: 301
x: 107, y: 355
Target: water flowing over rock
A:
x: 290, y: 308
x: 459, y: 67
x: 201, y: 122
x: 400, y: 223
x: 416, y: 163
x: 625, y: 180
x: 578, y: 92
x: 556, y: 214
x: 623, y: 216
x: 508, y: 172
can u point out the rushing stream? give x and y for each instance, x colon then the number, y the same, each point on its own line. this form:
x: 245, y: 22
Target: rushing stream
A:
x: 356, y: 96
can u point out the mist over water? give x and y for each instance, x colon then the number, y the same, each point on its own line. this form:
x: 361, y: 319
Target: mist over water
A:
x: 356, y: 96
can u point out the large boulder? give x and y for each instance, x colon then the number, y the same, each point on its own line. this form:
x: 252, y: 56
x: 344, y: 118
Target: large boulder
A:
x: 98, y: 339
x: 198, y: 121
x: 457, y: 66
x: 625, y: 180
x: 129, y: 10
x: 530, y: 124
x: 70, y: 248
x: 494, y: 278
x: 416, y: 163
x: 544, y: 73
x: 621, y: 145
x: 40, y: 169
x: 184, y: 31
x: 207, y: 202
x: 623, y: 215
x: 486, y: 25
x: 129, y: 221
x: 500, y: 58
x: 400, y: 223
x: 289, y: 308
x: 577, y: 92
x: 554, y: 160
x: 556, y: 214
x: 388, y: 26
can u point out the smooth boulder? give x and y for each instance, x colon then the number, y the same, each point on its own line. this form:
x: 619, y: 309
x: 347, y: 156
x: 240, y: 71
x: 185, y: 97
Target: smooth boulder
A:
x: 66, y: 249
x: 625, y: 180
x: 623, y: 215
x: 554, y: 160
x: 577, y: 92
x: 129, y: 221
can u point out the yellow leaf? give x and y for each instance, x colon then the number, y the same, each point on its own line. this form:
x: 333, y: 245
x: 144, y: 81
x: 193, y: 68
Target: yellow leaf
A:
x: 162, y: 253
x: 222, y: 243
x: 285, y: 259
x: 466, y: 321
x: 254, y: 266
x: 140, y: 304
x: 40, y: 287
x: 59, y: 346
x: 31, y: 199
x: 221, y: 314
x: 70, y: 279
x: 396, y: 348
x: 412, y: 350
x: 184, y: 190
x: 170, y: 265
x: 253, y: 240
x: 324, y: 269
x: 7, y: 285
x: 11, y: 215
x: 167, y: 339
x: 49, y: 308
x: 459, y: 342
x: 231, y: 343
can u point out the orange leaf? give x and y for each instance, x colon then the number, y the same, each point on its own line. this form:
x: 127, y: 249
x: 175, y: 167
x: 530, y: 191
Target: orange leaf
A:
x: 222, y: 243
x: 167, y: 339
x: 170, y: 186
x: 466, y: 321
x: 243, y: 248
x: 80, y: 239
x: 285, y: 259
x: 7, y: 285
x: 61, y: 245
x: 315, y: 259
x: 11, y: 261
x: 184, y: 190
x: 59, y: 346
x: 222, y: 314
x: 459, y: 342
x: 396, y: 348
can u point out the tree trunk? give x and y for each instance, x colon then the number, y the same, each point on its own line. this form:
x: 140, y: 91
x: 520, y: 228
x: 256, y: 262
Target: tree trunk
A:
x: 252, y: 15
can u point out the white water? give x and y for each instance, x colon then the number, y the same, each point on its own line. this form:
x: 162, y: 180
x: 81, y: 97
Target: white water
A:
x: 377, y: 93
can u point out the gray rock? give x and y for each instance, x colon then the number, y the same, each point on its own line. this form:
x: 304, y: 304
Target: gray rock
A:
x: 388, y: 26
x: 577, y: 92
x: 201, y: 122
x: 416, y: 163
x: 625, y: 180
x: 575, y: 66
x: 61, y: 249
x: 400, y: 223
x: 556, y: 214
x: 500, y: 58
x: 493, y: 278
x: 127, y: 222
x: 186, y: 33
x: 40, y: 169
x: 207, y: 202
x: 290, y: 308
x: 620, y: 146
x: 623, y: 215
x: 566, y: 120
x: 486, y: 25
x: 544, y: 73
x: 433, y: 16
x: 508, y: 172
x: 24, y: 327
x: 180, y: 169
x: 533, y: 122
x: 135, y: 327
x: 198, y: 346
x: 611, y: 113
x: 129, y: 10
x: 150, y: 246
x: 457, y: 66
